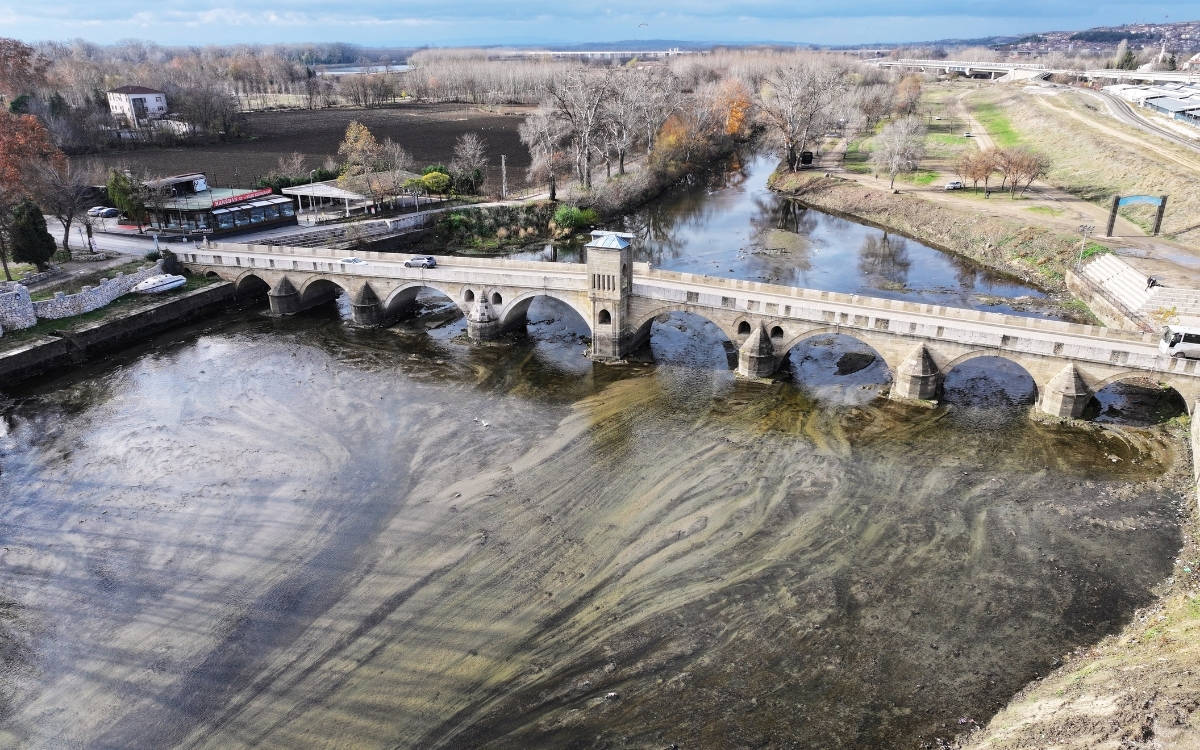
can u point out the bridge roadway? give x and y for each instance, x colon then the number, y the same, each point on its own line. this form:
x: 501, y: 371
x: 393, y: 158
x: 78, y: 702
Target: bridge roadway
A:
x: 968, y: 67
x: 619, y: 300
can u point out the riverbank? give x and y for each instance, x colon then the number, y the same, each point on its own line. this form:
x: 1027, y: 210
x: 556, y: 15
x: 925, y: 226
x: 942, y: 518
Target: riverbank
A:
x: 72, y: 345
x: 1037, y: 256
x: 1134, y: 689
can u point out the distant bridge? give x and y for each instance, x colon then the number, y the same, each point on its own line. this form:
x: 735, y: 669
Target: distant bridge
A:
x: 619, y: 300
x: 1034, y: 70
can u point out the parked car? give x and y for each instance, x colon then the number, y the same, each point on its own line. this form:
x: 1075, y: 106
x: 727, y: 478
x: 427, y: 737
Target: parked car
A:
x: 421, y: 261
x: 351, y: 260
x: 954, y: 185
x: 968, y: 134
x: 104, y: 212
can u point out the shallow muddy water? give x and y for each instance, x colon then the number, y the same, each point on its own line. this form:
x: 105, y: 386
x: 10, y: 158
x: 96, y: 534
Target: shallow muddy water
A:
x: 287, y: 533
x: 295, y: 533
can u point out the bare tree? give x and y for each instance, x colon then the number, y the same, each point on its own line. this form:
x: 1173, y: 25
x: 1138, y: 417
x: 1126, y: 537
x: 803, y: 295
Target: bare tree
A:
x: 469, y: 165
x: 1028, y: 166
x: 542, y: 134
x: 798, y: 101
x: 64, y: 191
x: 578, y: 101
x: 899, y: 147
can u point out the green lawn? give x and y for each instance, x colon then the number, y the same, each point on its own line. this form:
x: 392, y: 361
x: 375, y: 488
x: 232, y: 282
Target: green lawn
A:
x: 919, y: 177
x: 1047, y: 210
x: 856, y: 157
x: 997, y: 124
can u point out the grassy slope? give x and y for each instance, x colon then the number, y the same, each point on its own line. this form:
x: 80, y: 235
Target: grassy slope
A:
x: 1091, y: 163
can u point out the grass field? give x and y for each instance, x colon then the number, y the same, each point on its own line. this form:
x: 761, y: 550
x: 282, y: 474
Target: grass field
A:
x: 997, y: 123
x: 1090, y: 159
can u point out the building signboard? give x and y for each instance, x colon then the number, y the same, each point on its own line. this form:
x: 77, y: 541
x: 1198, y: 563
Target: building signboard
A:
x: 239, y: 198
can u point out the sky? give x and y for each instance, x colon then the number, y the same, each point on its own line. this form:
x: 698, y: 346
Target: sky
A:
x: 468, y: 22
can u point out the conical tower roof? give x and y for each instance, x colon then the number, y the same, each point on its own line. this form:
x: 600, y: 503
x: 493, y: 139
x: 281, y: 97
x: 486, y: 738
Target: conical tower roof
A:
x: 1069, y: 382
x: 919, y: 363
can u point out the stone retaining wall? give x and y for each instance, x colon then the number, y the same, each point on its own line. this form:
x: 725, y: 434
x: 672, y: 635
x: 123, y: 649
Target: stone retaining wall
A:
x: 68, y: 348
x: 16, y: 309
x: 95, y: 297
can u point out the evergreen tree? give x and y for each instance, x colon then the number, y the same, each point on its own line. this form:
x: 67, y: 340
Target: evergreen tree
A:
x: 27, y: 234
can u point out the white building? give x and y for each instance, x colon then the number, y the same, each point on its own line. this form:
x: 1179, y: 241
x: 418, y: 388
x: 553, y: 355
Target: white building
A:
x: 134, y: 106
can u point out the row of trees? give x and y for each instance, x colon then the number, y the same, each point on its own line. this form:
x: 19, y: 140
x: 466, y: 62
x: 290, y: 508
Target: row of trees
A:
x: 1018, y: 167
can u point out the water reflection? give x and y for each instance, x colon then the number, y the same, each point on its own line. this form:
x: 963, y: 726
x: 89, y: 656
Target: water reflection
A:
x: 729, y: 224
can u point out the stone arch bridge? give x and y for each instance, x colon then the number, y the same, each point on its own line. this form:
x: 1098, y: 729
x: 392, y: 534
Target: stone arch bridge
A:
x: 619, y: 299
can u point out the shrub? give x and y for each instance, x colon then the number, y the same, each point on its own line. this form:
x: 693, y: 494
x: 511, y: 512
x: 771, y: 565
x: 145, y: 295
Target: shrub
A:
x: 574, y: 217
x: 435, y: 168
x: 153, y: 255
x: 436, y: 182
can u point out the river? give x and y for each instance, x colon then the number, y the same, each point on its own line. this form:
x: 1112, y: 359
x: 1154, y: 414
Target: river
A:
x: 287, y: 533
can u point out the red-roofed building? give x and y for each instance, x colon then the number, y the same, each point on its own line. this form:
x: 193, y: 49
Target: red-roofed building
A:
x: 134, y: 106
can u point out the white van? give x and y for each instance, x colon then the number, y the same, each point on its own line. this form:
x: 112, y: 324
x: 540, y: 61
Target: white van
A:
x: 1180, y: 342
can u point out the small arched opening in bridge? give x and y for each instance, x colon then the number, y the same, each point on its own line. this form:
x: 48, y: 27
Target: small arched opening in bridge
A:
x: 1134, y: 399
x: 557, y: 331
x: 497, y: 299
x: 251, y: 289
x: 425, y: 309
x: 468, y: 295
x: 212, y: 275
x: 320, y: 294
x: 986, y: 390
x: 836, y: 368
x: 604, y: 318
x: 776, y: 333
x: 744, y: 328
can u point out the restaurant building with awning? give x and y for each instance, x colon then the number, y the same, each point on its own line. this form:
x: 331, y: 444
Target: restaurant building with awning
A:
x: 187, y: 204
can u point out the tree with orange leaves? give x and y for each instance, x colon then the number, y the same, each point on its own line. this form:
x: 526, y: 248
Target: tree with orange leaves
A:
x: 25, y: 149
x: 736, y: 100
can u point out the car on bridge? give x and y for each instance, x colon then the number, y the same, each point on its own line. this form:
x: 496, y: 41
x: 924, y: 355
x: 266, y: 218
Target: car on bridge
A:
x: 352, y: 261
x: 421, y: 261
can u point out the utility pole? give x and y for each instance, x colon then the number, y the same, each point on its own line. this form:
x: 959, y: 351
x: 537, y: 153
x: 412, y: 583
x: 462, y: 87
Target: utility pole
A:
x: 503, y: 177
x: 1084, y: 231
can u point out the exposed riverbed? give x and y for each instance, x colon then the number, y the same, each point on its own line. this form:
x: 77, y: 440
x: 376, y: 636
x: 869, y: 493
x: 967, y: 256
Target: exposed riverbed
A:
x: 286, y: 533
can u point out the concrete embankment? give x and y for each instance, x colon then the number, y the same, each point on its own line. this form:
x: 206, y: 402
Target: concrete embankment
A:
x: 69, y: 348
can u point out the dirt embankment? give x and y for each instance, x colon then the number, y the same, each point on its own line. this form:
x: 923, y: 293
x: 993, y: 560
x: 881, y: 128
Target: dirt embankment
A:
x: 1037, y: 256
x: 1136, y: 690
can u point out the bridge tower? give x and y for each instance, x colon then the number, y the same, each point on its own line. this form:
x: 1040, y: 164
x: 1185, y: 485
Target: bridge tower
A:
x: 610, y: 283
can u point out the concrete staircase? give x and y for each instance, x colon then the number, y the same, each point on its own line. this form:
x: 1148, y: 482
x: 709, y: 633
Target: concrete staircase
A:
x: 1124, y: 287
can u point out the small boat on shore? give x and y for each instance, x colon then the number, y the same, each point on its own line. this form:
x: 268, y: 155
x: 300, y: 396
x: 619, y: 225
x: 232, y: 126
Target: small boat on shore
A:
x: 161, y: 283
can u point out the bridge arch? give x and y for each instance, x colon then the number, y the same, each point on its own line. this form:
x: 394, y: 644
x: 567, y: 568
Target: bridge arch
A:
x: 1034, y: 388
x: 1172, y: 400
x: 730, y: 329
x: 850, y: 369
x: 316, y: 289
x: 250, y: 285
x: 514, y: 312
x: 728, y: 332
x: 403, y: 298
